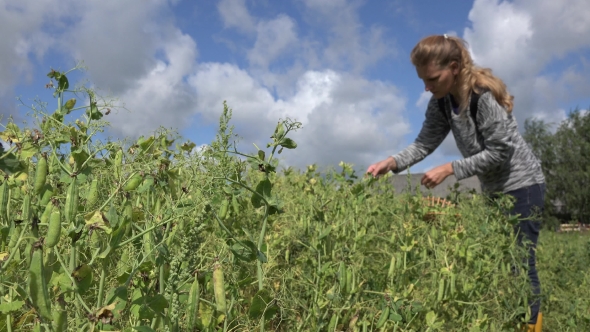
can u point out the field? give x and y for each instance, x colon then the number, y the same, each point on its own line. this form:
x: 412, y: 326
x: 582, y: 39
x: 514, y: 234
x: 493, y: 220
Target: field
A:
x: 152, y: 235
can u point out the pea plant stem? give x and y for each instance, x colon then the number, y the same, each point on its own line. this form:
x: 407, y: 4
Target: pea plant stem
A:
x: 20, y: 238
x: 101, y: 285
x: 74, y: 284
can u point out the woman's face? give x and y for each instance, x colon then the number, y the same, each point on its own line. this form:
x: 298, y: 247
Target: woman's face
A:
x: 439, y: 81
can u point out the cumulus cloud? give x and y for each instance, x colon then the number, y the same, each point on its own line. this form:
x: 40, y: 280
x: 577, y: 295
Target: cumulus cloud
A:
x: 161, y: 97
x: 235, y: 14
x: 519, y: 39
x: 273, y: 38
x: 23, y: 40
x: 344, y: 117
x: 350, y: 45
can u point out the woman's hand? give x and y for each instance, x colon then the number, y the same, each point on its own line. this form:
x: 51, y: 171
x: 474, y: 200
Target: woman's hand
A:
x: 382, y: 167
x: 437, y: 175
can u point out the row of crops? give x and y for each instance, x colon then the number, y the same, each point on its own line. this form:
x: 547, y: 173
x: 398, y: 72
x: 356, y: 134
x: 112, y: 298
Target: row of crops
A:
x: 155, y: 235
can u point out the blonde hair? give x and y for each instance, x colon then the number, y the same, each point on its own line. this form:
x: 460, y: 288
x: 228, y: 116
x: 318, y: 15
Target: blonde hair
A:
x: 443, y: 50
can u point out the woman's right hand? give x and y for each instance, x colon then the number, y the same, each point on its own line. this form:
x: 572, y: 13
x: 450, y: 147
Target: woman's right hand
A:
x: 382, y: 167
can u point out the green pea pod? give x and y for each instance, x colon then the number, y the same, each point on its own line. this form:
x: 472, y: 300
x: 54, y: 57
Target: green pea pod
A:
x: 26, y: 211
x: 40, y: 175
x: 4, y: 198
x: 133, y: 182
x: 46, y: 213
x: 383, y: 319
x: 223, y: 209
x: 71, y: 205
x: 92, y: 193
x: 118, y: 163
x: 46, y: 194
x: 193, y: 304
x: 333, y: 323
x: 54, y: 229
x: 60, y: 317
x: 235, y: 205
x: 441, y: 289
x: 38, y: 289
x: 13, y: 235
x: 219, y: 288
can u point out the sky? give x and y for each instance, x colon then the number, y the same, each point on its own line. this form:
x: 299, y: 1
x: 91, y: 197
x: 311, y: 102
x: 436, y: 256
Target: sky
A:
x: 340, y: 67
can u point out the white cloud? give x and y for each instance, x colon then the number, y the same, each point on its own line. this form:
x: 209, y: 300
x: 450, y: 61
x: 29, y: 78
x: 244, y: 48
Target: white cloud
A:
x: 344, y: 117
x: 519, y: 39
x: 235, y: 15
x: 117, y: 40
x: 424, y: 99
x: 160, y: 97
x: 351, y: 46
x: 273, y: 39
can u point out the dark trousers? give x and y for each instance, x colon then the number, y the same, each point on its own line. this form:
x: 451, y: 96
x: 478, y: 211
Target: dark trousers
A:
x: 529, y: 205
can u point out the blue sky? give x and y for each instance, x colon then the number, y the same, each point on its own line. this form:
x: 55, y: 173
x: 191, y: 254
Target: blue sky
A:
x: 341, y: 67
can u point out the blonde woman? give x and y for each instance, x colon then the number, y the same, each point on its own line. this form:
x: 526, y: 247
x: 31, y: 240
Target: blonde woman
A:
x: 476, y: 107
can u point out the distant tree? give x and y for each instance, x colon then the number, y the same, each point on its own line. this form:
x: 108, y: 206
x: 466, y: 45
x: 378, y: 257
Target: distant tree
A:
x: 565, y: 157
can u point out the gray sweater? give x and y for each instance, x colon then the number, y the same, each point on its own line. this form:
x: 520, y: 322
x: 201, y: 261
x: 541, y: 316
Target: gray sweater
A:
x: 498, y: 155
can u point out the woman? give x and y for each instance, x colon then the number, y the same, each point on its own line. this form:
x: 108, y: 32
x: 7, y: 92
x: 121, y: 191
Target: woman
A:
x: 489, y: 140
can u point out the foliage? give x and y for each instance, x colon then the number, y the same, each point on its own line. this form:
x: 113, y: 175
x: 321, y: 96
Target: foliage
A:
x: 153, y: 235
x: 565, y: 156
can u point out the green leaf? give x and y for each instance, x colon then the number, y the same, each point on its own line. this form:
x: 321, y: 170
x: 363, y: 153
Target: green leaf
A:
x: 118, y: 296
x: 143, y: 329
x: 28, y: 150
x: 261, y: 155
x: 262, y: 257
x: 430, y: 318
x: 206, y: 314
x: 63, y: 83
x: 262, y: 304
x: 8, y: 307
x: 247, y: 254
x: 395, y: 317
x: 279, y: 131
x: 288, y: 143
x: 263, y: 188
x: 188, y: 146
x: 10, y: 164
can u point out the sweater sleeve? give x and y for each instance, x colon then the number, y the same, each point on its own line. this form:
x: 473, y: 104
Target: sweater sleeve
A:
x: 491, y: 121
x: 435, y: 129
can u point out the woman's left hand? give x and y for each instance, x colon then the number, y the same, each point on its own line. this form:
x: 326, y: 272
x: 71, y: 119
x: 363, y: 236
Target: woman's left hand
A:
x: 437, y: 175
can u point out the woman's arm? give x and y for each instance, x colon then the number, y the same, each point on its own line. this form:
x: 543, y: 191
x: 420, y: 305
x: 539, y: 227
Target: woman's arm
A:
x: 434, y: 130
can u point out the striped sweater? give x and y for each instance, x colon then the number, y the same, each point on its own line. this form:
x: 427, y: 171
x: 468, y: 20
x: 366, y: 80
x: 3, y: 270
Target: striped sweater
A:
x: 497, y: 153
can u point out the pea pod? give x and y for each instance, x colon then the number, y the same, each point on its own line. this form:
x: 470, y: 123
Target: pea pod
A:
x: 60, y: 317
x: 71, y: 206
x: 391, y: 268
x: 26, y: 210
x: 383, y: 319
x: 54, y: 229
x: 133, y: 182
x: 333, y: 323
x: 38, y: 289
x: 219, y: 288
x: 223, y: 209
x: 46, y: 213
x: 118, y: 163
x: 13, y: 234
x: 342, y: 276
x: 46, y: 194
x: 193, y: 304
x: 235, y: 205
x: 4, y: 193
x: 40, y: 175
x: 441, y: 289
x: 92, y: 193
